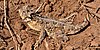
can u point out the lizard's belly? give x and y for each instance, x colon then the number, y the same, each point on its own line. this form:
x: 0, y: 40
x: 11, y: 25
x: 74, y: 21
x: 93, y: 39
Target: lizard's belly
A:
x: 35, y: 26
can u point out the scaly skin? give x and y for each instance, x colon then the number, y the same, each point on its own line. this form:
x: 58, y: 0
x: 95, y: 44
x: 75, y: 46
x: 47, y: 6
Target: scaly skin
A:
x: 50, y: 27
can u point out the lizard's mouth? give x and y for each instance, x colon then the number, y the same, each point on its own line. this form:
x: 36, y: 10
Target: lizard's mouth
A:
x: 27, y: 19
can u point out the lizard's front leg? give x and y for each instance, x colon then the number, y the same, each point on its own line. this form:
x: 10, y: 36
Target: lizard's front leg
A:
x: 41, y: 38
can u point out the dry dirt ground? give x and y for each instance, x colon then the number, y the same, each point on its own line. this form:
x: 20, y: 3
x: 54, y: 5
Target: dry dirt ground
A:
x: 88, y: 39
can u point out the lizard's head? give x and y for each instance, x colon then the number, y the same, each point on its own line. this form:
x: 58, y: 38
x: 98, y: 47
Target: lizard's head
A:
x: 25, y: 12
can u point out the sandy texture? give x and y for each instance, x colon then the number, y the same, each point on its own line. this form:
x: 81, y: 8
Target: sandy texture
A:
x: 88, y: 39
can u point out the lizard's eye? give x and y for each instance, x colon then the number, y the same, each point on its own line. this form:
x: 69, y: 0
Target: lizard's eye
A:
x: 28, y: 11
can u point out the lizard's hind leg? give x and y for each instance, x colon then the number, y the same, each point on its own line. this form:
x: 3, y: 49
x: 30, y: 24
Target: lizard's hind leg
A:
x: 41, y: 38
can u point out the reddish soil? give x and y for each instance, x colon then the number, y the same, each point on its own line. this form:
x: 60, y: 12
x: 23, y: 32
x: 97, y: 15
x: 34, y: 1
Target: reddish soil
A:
x: 88, y: 39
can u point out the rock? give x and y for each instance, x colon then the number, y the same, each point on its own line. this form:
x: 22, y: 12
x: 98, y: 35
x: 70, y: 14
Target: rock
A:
x: 69, y: 48
x: 47, y: 8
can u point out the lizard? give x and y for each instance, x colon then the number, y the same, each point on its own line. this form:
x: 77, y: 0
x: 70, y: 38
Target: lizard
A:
x: 46, y: 26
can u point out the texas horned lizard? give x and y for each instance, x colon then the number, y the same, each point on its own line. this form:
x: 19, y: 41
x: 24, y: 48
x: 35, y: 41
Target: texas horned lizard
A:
x: 50, y: 27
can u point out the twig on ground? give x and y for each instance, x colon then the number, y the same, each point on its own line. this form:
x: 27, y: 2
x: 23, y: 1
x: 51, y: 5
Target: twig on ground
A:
x: 94, y: 14
x: 72, y: 16
x: 69, y: 16
x: 8, y: 26
x: 2, y: 22
x: 16, y: 7
x: 95, y: 47
x: 97, y: 9
x: 1, y: 8
x: 39, y: 8
x: 46, y: 44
